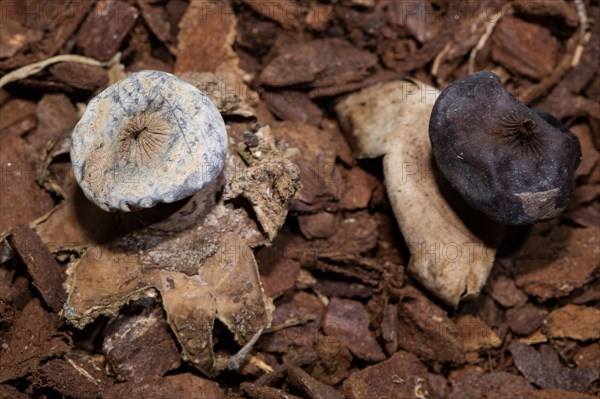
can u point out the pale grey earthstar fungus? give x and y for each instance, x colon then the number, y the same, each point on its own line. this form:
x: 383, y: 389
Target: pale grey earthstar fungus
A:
x: 150, y: 138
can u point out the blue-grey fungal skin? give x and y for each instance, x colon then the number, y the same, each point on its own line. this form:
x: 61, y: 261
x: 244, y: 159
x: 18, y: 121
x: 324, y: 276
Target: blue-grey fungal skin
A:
x: 515, y: 164
x: 147, y: 139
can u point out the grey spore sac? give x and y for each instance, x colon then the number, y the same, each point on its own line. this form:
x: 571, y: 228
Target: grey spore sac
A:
x: 147, y: 139
x: 514, y: 163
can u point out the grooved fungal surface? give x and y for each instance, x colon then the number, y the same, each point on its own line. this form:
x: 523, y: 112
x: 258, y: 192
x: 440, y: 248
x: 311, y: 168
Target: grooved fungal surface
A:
x: 149, y: 138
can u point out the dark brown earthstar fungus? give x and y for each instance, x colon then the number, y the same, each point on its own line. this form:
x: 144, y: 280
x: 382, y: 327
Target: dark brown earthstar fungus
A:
x: 515, y: 164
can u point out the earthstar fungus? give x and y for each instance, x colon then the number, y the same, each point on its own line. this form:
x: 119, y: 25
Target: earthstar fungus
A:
x: 147, y: 139
x: 448, y: 255
x: 515, y: 164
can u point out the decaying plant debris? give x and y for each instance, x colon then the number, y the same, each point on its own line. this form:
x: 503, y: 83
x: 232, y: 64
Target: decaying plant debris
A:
x: 350, y: 316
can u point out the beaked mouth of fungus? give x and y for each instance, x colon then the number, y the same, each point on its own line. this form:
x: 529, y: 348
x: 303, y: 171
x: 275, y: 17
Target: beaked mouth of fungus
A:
x: 143, y: 137
x: 521, y: 133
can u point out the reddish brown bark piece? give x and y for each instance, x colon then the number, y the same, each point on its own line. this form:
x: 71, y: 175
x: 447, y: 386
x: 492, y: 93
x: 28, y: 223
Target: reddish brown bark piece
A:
x: 321, y: 63
x: 588, y: 356
x: 560, y: 394
x: 581, y: 323
x: 555, y: 263
x: 319, y: 225
x: 506, y: 293
x: 58, y: 20
x: 156, y: 18
x: 349, y: 321
x: 180, y: 386
x: 33, y: 339
x: 292, y: 106
x: 132, y: 343
x: 207, y: 32
x: 525, y: 320
x: 342, y: 288
x: 421, y: 20
x: 280, y: 277
x: 304, y: 311
x: 359, y: 187
x: 15, y: 111
x: 476, y: 334
x: 314, y: 151
x: 400, y: 377
x: 584, y: 194
x: 473, y: 385
x: 334, y: 360
x: 10, y: 392
x: 588, y: 150
x: 56, y: 116
x: 566, y: 12
x: 259, y: 392
x: 524, y: 49
x: 105, y: 28
x: 22, y: 199
x: 544, y: 369
x: 69, y: 377
x: 425, y: 329
x: 389, y: 328
x: 287, y: 12
x: 46, y: 273
x: 255, y: 34
x: 311, y: 388
x: 357, y: 234
x: 278, y: 272
x: 587, y: 216
x: 80, y: 76
x: 15, y: 36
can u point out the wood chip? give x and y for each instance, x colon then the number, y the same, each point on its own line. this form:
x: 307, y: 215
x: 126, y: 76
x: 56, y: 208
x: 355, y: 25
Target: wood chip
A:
x: 476, y: 334
x: 105, y: 29
x: 22, y: 199
x: 575, y: 322
x: 544, y: 369
x: 401, y: 376
x: 557, y: 262
x: 46, y: 273
x: 349, y: 322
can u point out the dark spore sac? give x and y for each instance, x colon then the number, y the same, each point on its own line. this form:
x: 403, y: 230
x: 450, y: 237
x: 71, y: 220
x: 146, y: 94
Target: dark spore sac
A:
x: 511, y: 162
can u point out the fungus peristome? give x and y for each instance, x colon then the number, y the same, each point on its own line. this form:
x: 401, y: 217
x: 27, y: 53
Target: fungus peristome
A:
x: 147, y: 139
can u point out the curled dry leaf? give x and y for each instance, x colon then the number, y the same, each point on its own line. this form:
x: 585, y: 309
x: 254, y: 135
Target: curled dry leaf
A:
x: 199, y: 258
x: 452, y: 247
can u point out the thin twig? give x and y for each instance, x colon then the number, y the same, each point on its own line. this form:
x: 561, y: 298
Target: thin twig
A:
x: 438, y: 60
x: 31, y: 69
x: 489, y: 29
x: 294, y: 321
x: 259, y: 363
